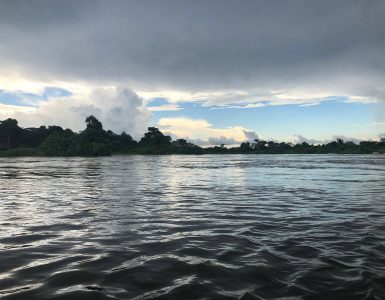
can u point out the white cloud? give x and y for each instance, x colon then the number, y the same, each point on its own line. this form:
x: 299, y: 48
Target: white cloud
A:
x: 118, y: 109
x: 299, y: 139
x: 14, y: 83
x: 254, y: 98
x: 7, y: 111
x: 346, y: 139
x: 165, y: 107
x: 202, y: 132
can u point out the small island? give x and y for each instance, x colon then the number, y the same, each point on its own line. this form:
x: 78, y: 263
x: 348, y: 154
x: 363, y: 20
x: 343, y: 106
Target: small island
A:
x: 95, y: 141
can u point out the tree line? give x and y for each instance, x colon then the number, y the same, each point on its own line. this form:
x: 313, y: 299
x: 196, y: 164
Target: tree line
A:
x: 95, y: 141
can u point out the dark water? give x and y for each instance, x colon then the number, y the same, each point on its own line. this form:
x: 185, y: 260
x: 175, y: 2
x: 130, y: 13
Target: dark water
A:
x: 193, y: 227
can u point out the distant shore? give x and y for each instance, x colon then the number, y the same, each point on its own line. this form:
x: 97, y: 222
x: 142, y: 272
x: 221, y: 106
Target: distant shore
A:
x: 95, y: 141
x: 35, y: 152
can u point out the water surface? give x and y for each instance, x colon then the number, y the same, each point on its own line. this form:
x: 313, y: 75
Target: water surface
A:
x: 193, y: 227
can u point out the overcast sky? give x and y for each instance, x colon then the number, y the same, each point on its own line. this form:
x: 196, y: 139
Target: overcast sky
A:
x: 210, y: 70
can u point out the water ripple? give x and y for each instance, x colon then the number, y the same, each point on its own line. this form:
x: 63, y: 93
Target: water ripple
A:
x: 193, y: 227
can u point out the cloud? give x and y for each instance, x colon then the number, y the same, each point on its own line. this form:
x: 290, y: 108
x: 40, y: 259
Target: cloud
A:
x: 299, y: 139
x: 119, y: 109
x: 379, y: 113
x: 221, y: 140
x: 250, y: 135
x: 345, y: 139
x: 201, y: 132
x: 254, y: 98
x: 218, y: 52
x: 165, y: 107
x: 7, y: 110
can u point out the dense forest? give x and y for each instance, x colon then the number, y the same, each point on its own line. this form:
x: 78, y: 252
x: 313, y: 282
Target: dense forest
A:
x: 95, y: 141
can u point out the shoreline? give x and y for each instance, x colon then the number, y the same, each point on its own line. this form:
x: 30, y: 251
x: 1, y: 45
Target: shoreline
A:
x: 28, y: 153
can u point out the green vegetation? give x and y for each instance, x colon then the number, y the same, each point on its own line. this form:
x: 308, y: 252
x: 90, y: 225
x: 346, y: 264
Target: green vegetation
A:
x: 95, y: 141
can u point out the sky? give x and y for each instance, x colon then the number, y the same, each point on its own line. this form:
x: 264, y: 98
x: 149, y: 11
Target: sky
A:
x: 210, y: 71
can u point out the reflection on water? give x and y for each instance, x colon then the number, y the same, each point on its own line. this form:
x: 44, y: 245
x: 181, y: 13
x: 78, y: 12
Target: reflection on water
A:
x: 193, y: 227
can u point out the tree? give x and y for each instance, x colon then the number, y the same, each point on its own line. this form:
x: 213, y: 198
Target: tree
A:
x: 260, y: 145
x: 245, y: 147
x: 181, y: 142
x: 127, y: 141
x: 10, y: 132
x: 59, y: 144
x: 94, y: 132
x: 93, y: 123
x: 154, y: 137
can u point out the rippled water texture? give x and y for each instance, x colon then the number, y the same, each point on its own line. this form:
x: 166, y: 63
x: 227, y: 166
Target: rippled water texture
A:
x: 193, y: 227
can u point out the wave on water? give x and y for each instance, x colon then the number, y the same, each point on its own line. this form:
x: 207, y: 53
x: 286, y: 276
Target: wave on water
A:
x: 193, y: 227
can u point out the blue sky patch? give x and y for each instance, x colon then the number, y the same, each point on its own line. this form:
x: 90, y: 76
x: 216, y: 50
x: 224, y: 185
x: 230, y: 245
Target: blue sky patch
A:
x: 55, y: 92
x: 157, y: 102
x: 21, y: 98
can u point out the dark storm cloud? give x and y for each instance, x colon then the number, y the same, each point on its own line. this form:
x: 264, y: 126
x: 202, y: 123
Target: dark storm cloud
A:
x: 199, y: 45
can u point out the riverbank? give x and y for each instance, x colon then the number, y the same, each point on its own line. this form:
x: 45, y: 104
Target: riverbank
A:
x: 36, y: 152
x: 95, y: 141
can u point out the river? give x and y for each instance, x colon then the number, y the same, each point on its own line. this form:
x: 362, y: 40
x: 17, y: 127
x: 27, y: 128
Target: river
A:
x: 193, y: 227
